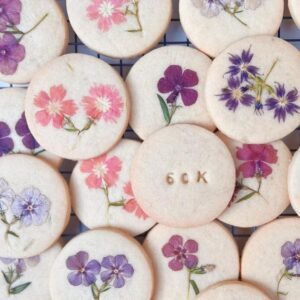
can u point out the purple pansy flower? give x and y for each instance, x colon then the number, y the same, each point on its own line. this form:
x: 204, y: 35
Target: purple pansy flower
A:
x: 117, y: 269
x: 10, y: 11
x: 31, y: 207
x: 178, y: 82
x: 84, y: 271
x: 283, y: 103
x: 291, y: 254
x: 6, y: 143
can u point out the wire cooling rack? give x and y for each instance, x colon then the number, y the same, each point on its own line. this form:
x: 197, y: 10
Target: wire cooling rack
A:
x: 174, y: 36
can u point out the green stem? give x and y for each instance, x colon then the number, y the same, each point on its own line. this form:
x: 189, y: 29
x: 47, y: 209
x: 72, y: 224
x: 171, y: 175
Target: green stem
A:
x: 172, y: 113
x: 189, y: 285
x: 135, y: 13
x: 38, y: 152
x: 271, y: 70
x: 8, y: 226
x: 233, y: 13
x: 283, y: 275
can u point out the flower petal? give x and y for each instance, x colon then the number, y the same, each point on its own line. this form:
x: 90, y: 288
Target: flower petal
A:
x: 93, y: 266
x: 247, y: 169
x: 191, y: 261
x: 4, y: 130
x: 75, y: 278
x: 174, y: 74
x: 106, y: 276
x: 165, y: 86
x: 189, y: 78
x: 175, y: 265
x: 191, y: 246
x: 189, y: 96
x: 6, y: 146
x: 108, y: 262
x: 119, y: 282
x: 127, y: 270
x: 288, y: 249
x: 88, y: 278
x: 120, y: 260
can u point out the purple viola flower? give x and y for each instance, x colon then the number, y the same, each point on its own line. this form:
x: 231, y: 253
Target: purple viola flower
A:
x: 22, y: 130
x: 84, y: 271
x: 11, y: 54
x: 283, y: 103
x: 291, y: 255
x: 178, y: 82
x: 6, y: 143
x: 117, y: 269
x: 234, y: 94
x: 31, y: 207
x: 10, y: 13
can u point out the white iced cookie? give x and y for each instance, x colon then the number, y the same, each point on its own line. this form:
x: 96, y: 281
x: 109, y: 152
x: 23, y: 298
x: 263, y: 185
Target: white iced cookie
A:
x: 170, y: 92
x: 271, y: 259
x: 102, y: 264
x: 183, y: 175
x: 24, y: 279
x: 187, y: 261
x: 15, y: 136
x: 77, y: 107
x: 252, y: 90
x: 261, y: 192
x: 293, y: 182
x: 25, y: 28
x: 233, y: 290
x: 120, y: 28
x: 102, y: 194
x: 34, y: 206
x: 294, y: 7
x: 212, y: 25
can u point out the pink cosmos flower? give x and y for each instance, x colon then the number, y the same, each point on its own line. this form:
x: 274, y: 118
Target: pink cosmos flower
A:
x: 54, y: 106
x: 107, y: 13
x: 103, y: 171
x: 104, y: 102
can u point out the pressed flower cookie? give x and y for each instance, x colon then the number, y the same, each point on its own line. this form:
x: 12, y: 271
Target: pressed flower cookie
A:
x: 102, y: 264
x: 34, y: 206
x: 15, y: 136
x: 120, y: 28
x: 186, y: 261
x: 261, y: 192
x: 294, y: 7
x: 25, y: 28
x: 252, y: 90
x: 24, y: 279
x: 233, y: 290
x: 77, y: 107
x: 102, y: 194
x: 271, y: 259
x: 183, y: 175
x: 212, y: 25
x: 170, y: 92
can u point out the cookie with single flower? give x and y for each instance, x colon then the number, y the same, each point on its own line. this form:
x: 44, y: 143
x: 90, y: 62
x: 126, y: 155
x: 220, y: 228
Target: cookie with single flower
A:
x: 77, y: 107
x: 212, y: 25
x: 188, y: 260
x: 294, y: 7
x: 27, y: 278
x: 120, y: 28
x: 34, y: 206
x: 183, y: 176
x: 102, y: 264
x: 261, y: 191
x: 25, y: 28
x: 271, y: 259
x: 252, y: 90
x: 170, y: 92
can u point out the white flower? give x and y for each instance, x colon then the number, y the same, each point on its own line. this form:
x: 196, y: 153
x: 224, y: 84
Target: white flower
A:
x: 208, y: 8
x: 7, y: 196
x: 252, y: 4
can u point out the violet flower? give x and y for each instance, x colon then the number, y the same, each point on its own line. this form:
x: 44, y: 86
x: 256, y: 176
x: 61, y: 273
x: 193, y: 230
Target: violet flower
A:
x: 208, y: 8
x: 291, y: 255
x: 6, y: 143
x: 21, y: 264
x: 10, y: 11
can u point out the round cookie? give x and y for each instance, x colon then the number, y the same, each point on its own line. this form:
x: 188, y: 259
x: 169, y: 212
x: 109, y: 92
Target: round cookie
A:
x: 233, y: 290
x: 104, y: 264
x: 294, y: 7
x: 271, y: 258
x: 28, y: 278
x: 170, y: 92
x: 15, y: 136
x: 183, y: 175
x: 261, y: 192
x: 212, y: 25
x: 77, y: 107
x: 34, y: 206
x: 186, y: 261
x: 102, y: 194
x: 120, y: 28
x: 293, y: 182
x: 25, y: 28
x: 252, y: 90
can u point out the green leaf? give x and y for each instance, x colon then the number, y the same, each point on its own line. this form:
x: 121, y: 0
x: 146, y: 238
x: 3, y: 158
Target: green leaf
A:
x: 117, y: 203
x: 247, y: 197
x: 13, y: 233
x: 6, y: 277
x: 282, y: 293
x: 19, y: 289
x: 164, y: 109
x: 134, y: 30
x: 199, y: 271
x: 194, y: 286
x: 95, y: 291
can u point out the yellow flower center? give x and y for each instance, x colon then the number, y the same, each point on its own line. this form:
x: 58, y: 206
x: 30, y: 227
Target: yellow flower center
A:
x: 106, y: 9
x: 54, y: 108
x: 237, y: 94
x: 282, y: 101
x: 100, y: 170
x: 103, y: 104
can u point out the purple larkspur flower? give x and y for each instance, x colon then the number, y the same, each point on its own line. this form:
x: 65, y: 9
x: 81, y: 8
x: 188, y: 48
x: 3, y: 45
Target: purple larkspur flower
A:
x: 10, y: 13
x: 7, y: 196
x: 117, y: 269
x: 11, y: 54
x: 31, y: 207
x: 6, y: 143
x: 84, y: 271
x: 178, y: 82
x: 22, y: 130
x: 291, y: 255
x: 234, y: 94
x: 283, y: 103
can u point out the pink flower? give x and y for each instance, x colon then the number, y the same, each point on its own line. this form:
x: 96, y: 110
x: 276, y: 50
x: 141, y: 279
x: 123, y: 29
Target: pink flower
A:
x: 131, y: 204
x: 103, y: 171
x: 107, y: 13
x: 104, y: 102
x: 258, y: 158
x: 54, y: 106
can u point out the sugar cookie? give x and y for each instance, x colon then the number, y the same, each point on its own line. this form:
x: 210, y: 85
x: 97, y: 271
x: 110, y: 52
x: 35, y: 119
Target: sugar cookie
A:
x: 120, y: 28
x: 170, y: 92
x: 77, y: 107
x: 294, y: 7
x: 34, y: 206
x: 293, y: 182
x: 186, y: 261
x: 252, y: 90
x: 104, y: 264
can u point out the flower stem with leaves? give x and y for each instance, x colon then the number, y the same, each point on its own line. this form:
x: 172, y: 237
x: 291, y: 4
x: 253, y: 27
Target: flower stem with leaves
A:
x: 285, y: 275
x: 134, y: 12
x: 252, y: 192
x: 8, y: 231
x: 167, y: 113
x: 71, y: 127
